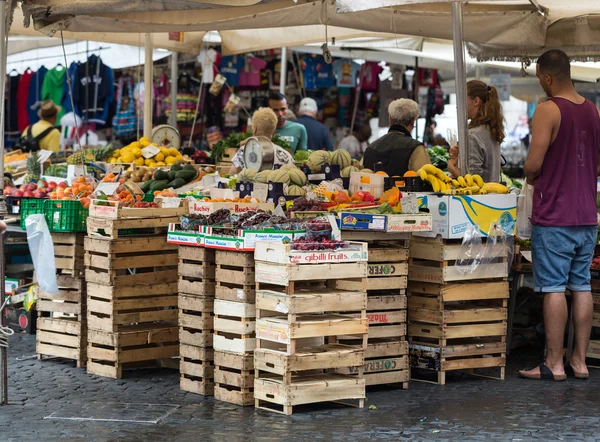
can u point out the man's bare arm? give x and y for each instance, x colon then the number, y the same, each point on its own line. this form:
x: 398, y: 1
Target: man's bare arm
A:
x: 545, y: 118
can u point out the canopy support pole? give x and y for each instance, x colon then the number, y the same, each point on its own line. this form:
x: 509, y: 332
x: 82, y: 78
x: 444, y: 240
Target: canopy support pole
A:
x: 3, y: 55
x: 174, y: 78
x: 148, y: 82
x: 283, y: 76
x: 460, y: 79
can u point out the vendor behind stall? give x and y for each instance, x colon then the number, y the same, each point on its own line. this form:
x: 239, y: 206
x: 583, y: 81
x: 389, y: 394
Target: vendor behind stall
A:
x: 397, y: 150
x: 264, y: 124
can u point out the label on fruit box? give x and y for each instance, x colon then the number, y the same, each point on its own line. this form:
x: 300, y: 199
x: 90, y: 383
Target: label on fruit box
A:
x: 150, y: 151
x: 107, y: 188
x: 320, y: 257
x: 274, y: 334
x: 282, y: 308
x: 170, y: 202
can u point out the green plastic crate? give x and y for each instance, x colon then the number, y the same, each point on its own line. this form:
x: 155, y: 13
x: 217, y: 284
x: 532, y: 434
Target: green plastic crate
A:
x: 66, y: 216
x: 31, y: 206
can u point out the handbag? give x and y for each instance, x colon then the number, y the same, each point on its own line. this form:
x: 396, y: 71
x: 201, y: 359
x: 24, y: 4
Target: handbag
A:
x: 125, y: 120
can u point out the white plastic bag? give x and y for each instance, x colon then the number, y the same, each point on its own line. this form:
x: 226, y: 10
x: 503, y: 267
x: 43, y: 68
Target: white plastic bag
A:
x: 42, y: 253
x: 524, y: 209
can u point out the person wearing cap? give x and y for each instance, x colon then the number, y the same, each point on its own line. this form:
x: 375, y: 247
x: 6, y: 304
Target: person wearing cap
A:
x: 45, y: 130
x: 318, y: 134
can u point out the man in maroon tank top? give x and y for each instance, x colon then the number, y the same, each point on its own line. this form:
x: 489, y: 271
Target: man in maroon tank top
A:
x: 563, y: 167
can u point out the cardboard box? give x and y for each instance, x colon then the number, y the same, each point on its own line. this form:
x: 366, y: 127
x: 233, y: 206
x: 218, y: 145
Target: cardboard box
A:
x: 452, y: 214
x: 425, y: 357
x: 385, y: 223
x: 20, y: 320
x: 206, y: 208
x: 184, y: 237
x: 245, y: 240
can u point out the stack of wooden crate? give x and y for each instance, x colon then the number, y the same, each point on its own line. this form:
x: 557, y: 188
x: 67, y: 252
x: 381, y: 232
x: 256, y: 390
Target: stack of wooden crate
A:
x: 386, y: 356
x: 298, y: 307
x: 234, y: 336
x: 196, y: 307
x: 457, y: 313
x: 131, y: 297
x: 62, y: 324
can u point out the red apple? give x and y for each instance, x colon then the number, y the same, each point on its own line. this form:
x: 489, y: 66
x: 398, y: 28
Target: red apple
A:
x: 40, y: 193
x: 17, y: 193
x: 51, y: 185
x: 31, y: 187
x: 8, y: 190
x: 23, y: 188
x: 29, y: 194
x: 63, y: 185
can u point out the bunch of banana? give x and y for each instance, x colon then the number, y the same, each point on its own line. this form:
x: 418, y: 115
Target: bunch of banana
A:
x: 440, y: 182
x: 474, y: 185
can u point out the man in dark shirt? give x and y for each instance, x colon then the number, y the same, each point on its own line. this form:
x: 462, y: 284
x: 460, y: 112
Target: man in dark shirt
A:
x: 318, y: 134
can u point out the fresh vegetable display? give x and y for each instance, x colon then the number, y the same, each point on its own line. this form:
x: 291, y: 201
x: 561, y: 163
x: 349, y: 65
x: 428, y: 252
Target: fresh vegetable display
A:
x: 439, y: 156
x: 178, y: 176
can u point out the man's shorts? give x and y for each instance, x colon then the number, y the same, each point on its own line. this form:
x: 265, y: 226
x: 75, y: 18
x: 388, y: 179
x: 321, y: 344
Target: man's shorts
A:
x: 562, y: 257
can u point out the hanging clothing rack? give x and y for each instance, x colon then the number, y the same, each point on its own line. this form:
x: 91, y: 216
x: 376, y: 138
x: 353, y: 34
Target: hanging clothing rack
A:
x: 68, y: 55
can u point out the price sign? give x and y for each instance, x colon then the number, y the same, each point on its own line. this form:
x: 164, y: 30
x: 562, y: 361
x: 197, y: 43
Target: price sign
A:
x: 45, y: 155
x: 107, y: 188
x: 150, y: 151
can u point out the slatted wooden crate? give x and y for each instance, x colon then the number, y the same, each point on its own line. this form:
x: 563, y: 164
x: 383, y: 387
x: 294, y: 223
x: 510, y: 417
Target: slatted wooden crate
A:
x: 69, y: 253
x: 196, y: 313
x: 443, y: 261
x: 197, y: 369
x: 132, y: 347
x: 130, y: 261
x: 112, y: 308
x: 62, y: 338
x: 70, y: 301
x: 235, y: 276
x: 196, y: 271
x: 234, y: 378
x: 234, y: 327
x: 110, y: 229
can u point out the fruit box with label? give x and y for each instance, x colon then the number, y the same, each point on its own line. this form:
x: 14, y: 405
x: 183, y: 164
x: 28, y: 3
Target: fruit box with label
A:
x: 184, y: 237
x: 208, y: 207
x: 385, y: 223
x: 112, y: 210
x: 453, y: 214
x: 280, y: 253
x: 245, y: 240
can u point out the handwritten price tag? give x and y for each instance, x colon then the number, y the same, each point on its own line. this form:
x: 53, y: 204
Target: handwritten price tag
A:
x: 107, y: 188
x: 150, y: 151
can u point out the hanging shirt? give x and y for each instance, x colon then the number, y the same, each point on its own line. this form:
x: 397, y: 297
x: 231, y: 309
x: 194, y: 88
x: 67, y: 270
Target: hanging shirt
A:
x: 22, y: 95
x: 11, y: 120
x: 95, y: 91
x: 370, y: 76
x: 309, y: 72
x: 209, y: 59
x: 66, y: 102
x: 324, y: 71
x: 345, y: 72
x: 275, y: 73
x: 250, y: 75
x: 231, y: 67
x: 53, y: 87
x: 34, y: 99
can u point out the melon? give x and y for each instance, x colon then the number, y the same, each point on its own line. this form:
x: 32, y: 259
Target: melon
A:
x: 262, y: 177
x: 288, y: 167
x: 348, y: 170
x: 280, y: 176
x: 295, y: 190
x: 366, y: 171
x: 297, y: 177
x: 317, y: 159
x: 246, y: 175
x: 342, y: 158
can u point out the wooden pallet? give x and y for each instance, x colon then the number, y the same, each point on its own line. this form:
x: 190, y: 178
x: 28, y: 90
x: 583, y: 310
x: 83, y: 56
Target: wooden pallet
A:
x: 430, y: 363
x: 196, y: 369
x: 234, y: 326
x: 115, y: 228
x: 196, y: 312
x: 70, y: 301
x: 196, y: 271
x: 132, y: 347
x: 234, y: 378
x: 62, y: 338
x: 274, y: 395
x: 113, y: 308
x: 69, y: 253
x: 131, y: 261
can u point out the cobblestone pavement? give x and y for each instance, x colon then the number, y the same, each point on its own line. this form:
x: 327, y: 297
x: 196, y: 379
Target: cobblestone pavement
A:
x: 465, y: 409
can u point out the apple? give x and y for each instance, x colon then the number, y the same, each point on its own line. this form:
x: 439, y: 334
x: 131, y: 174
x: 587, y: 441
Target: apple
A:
x: 63, y: 185
x: 31, y: 187
x: 8, y: 190
x: 42, y: 183
x: 28, y: 194
x: 40, y: 193
x: 23, y: 188
x: 52, y: 185
x: 17, y: 192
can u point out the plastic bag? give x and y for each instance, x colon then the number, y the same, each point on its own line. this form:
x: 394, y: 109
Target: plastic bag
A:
x: 472, y: 251
x: 42, y: 253
x: 524, y: 209
x: 497, y: 248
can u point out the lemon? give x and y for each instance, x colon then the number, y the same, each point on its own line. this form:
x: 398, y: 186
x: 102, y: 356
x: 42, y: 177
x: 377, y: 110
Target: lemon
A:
x: 112, y: 160
x: 144, y: 143
x: 159, y: 157
x: 120, y: 160
x: 170, y: 160
x: 179, y: 157
x: 148, y: 161
x: 128, y: 157
x: 173, y: 152
x: 160, y: 163
x: 126, y: 149
x: 116, y: 153
x: 137, y: 152
x: 145, y: 140
x: 153, y: 164
x: 135, y: 144
x: 139, y: 161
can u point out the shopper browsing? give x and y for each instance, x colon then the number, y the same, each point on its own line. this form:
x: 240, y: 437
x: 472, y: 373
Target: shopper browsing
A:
x: 486, y: 133
x: 318, y: 134
x: 44, y: 134
x: 563, y: 167
x: 357, y: 142
x: 293, y: 133
x: 264, y: 124
x: 397, y: 150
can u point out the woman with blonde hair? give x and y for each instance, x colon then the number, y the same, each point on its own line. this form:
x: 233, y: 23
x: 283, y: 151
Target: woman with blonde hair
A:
x: 486, y: 133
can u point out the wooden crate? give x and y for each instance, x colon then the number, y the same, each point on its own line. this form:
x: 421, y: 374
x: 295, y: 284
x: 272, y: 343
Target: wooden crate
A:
x: 435, y: 296
x: 274, y: 395
x: 288, y: 275
x: 395, y: 239
x: 111, y: 229
x: 196, y: 312
x: 132, y: 347
x: 69, y: 253
x: 130, y: 261
x: 70, y: 301
x: 235, y: 268
x: 234, y: 326
x: 234, y: 378
x: 197, y: 338
x: 430, y: 363
x: 593, y: 351
x: 62, y: 338
x: 113, y: 308
x: 310, y: 300
x: 285, y: 254
x: 196, y: 367
x: 196, y: 271
x: 435, y: 260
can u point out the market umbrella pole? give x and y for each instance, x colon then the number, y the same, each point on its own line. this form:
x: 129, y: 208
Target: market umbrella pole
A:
x: 148, y: 86
x: 460, y: 79
x: 3, y: 55
x: 174, y: 81
x: 283, y: 71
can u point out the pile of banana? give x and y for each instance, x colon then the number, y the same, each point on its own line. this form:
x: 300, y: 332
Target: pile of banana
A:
x: 467, y: 185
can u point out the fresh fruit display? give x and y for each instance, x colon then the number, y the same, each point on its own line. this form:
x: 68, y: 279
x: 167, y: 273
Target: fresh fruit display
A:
x: 34, y: 168
x: 295, y: 190
x: 81, y: 189
x: 308, y: 205
x: 31, y: 190
x: 219, y: 217
x: 462, y: 185
x: 341, y: 158
x: 87, y: 156
x: 325, y: 244
x: 347, y: 171
x: 234, y: 140
x: 316, y: 160
x: 139, y: 175
x: 132, y: 153
x: 175, y: 178
x: 56, y: 170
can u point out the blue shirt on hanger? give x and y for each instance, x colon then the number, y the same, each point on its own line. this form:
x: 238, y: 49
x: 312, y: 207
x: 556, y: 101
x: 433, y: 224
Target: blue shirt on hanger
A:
x: 34, y: 99
x: 231, y: 67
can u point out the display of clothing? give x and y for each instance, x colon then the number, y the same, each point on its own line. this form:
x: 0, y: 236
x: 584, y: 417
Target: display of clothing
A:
x: 210, y: 59
x: 66, y: 102
x: 325, y: 77
x: 251, y: 74
x: 345, y: 72
x: 34, y: 98
x: 231, y: 67
x: 11, y: 120
x: 309, y: 72
x: 369, y: 76
x: 186, y: 107
x: 53, y: 87
x: 22, y: 96
x: 94, y: 90
x: 274, y: 68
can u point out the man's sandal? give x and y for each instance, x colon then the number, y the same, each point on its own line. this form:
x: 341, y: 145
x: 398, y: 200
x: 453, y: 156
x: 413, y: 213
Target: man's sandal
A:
x: 575, y: 374
x: 545, y: 374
